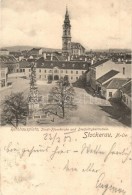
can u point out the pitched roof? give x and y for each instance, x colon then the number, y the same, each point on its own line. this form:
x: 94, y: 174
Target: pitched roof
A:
x: 127, y: 88
x: 76, y: 45
x: 24, y: 64
x: 8, y: 59
x: 35, y: 49
x: 41, y: 63
x: 63, y: 64
x: 107, y: 76
x: 99, y: 63
x: 116, y: 83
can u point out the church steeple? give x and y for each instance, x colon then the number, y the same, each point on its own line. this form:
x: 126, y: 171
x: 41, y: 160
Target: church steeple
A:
x: 67, y: 14
x: 66, y: 38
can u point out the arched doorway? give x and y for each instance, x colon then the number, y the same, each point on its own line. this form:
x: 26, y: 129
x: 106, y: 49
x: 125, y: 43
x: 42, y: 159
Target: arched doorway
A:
x: 56, y: 77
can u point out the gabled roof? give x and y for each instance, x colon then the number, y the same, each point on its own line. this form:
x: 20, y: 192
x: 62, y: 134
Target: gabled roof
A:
x: 116, y: 83
x: 107, y: 76
x: 99, y: 63
x: 126, y: 88
x: 76, y: 45
x: 8, y: 59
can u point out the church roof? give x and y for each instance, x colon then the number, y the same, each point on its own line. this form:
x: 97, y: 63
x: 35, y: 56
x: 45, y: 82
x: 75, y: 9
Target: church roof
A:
x: 75, y: 45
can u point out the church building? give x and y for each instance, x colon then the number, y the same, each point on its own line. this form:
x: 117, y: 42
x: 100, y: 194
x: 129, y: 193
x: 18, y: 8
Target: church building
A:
x: 69, y: 47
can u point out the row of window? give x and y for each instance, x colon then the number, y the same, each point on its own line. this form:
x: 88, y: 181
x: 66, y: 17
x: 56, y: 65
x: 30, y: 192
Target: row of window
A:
x: 62, y: 71
x: 55, y: 71
x: 45, y: 77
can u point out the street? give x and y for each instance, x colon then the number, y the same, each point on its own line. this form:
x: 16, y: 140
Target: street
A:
x: 90, y: 110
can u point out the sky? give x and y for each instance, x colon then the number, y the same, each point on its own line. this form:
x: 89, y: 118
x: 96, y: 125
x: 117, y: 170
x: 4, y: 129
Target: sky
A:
x: 96, y: 24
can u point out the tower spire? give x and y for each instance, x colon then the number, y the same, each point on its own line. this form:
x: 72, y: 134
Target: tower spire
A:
x: 67, y: 14
x: 66, y: 37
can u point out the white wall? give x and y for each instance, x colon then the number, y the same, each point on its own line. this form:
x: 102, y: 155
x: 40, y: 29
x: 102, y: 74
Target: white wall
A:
x: 72, y: 74
x: 109, y: 65
x: 128, y: 101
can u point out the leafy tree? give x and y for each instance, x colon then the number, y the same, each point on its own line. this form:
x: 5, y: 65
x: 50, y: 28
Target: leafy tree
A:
x: 61, y: 97
x: 14, y: 109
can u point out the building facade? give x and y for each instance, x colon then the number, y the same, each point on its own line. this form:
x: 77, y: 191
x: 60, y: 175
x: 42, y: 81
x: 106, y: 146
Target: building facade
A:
x: 4, y: 52
x: 54, y: 70
x: 126, y: 94
x: 101, y: 68
x: 3, y: 76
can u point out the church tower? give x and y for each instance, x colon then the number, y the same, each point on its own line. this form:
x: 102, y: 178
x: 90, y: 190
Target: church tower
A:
x: 66, y: 38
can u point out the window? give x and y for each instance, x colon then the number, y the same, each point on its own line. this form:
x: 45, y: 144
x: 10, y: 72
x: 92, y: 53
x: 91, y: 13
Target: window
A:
x: 123, y: 70
x: 110, y: 94
x: 23, y: 70
x: 39, y: 76
x: 45, y: 71
x: 71, y: 78
x: 71, y: 72
x: 76, y: 78
x: 66, y: 71
x: 39, y: 70
x: 76, y: 72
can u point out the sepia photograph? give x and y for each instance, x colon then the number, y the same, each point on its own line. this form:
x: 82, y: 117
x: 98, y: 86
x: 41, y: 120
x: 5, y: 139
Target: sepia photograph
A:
x: 66, y: 63
x: 65, y: 97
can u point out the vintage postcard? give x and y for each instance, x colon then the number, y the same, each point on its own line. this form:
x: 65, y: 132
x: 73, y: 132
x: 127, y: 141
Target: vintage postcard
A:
x: 65, y: 97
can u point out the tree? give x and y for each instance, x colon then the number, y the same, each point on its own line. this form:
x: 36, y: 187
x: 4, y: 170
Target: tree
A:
x: 61, y: 97
x: 15, y: 109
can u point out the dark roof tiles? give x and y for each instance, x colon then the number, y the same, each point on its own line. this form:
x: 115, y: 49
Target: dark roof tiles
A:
x: 126, y: 88
x: 99, y: 63
x: 107, y: 76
